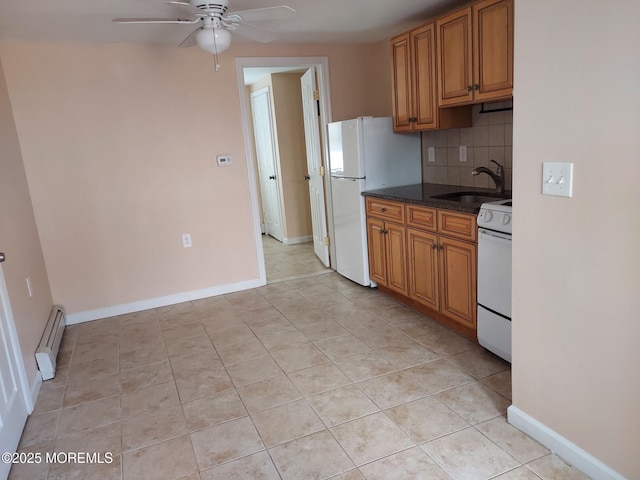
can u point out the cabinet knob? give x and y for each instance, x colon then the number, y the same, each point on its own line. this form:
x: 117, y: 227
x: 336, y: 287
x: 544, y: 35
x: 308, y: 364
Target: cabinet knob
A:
x: 383, y: 209
x: 413, y: 119
x: 469, y: 88
x: 476, y: 86
x: 434, y: 246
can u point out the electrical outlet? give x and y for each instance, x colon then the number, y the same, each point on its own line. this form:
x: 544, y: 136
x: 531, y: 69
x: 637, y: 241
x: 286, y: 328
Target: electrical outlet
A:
x: 431, y: 153
x: 186, y: 240
x: 29, y: 287
x: 463, y: 153
x: 557, y: 179
x: 223, y: 160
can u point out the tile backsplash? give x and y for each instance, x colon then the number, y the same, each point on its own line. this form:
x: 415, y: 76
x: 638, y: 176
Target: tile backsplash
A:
x: 490, y: 138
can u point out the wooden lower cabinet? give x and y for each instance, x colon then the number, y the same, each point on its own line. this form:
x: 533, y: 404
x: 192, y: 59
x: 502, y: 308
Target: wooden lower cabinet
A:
x: 422, y: 249
x: 387, y: 254
x: 458, y: 278
x: 395, y: 237
x: 377, y: 251
x: 429, y: 265
x: 442, y: 275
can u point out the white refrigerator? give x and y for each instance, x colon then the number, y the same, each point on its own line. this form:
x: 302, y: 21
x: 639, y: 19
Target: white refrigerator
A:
x: 365, y: 154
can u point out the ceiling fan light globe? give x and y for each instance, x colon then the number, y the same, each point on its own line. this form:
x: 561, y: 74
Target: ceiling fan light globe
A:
x: 205, y: 39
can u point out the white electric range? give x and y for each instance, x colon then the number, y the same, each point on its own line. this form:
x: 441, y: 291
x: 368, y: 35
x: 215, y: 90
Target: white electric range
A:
x: 494, y: 277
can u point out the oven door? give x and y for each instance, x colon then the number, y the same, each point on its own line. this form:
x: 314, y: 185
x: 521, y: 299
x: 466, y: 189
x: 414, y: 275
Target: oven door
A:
x: 494, y: 271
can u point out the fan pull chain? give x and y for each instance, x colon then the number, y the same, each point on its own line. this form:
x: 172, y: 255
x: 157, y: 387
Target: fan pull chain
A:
x: 215, y: 48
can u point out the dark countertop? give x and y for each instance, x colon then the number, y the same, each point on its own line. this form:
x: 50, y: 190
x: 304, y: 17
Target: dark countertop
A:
x: 422, y: 193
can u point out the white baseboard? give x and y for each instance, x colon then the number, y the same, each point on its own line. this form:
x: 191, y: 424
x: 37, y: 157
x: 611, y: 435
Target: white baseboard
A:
x: 297, y: 240
x: 87, y: 316
x: 559, y: 445
x: 35, y: 391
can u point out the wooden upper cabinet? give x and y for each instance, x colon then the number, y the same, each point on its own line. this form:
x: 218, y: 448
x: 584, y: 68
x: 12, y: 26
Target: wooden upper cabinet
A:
x: 493, y: 44
x: 424, y: 90
x: 414, y: 80
x: 414, y: 85
x: 455, y: 61
x: 475, y: 53
x: 401, y: 80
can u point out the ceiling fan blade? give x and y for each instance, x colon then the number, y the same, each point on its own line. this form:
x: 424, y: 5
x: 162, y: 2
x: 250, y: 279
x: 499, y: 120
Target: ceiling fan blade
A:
x: 190, y: 41
x: 253, y: 32
x: 268, y: 13
x: 184, y: 5
x: 156, y: 20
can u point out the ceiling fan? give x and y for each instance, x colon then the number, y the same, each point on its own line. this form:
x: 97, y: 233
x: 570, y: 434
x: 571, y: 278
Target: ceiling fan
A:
x: 213, y: 34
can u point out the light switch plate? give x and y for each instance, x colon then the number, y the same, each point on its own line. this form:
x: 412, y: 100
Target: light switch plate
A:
x: 431, y: 153
x: 557, y: 179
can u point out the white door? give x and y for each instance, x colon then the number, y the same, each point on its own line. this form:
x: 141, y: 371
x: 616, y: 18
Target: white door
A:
x: 314, y: 164
x: 13, y: 407
x: 266, y: 156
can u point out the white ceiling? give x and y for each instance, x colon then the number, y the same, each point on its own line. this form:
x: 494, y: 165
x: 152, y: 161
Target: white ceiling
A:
x: 316, y: 21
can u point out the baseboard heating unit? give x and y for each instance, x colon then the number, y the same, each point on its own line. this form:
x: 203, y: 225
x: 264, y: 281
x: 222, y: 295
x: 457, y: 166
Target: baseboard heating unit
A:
x: 50, y: 344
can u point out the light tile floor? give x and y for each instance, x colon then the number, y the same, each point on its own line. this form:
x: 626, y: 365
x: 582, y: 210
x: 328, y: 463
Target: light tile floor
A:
x: 288, y: 262
x: 306, y: 379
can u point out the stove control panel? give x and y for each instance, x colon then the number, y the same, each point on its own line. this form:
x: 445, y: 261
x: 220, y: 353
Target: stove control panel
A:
x: 496, y: 216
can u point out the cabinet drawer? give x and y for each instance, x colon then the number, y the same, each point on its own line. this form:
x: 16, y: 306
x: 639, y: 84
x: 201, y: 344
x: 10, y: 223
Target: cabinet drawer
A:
x: 385, y: 209
x: 458, y: 225
x: 422, y: 217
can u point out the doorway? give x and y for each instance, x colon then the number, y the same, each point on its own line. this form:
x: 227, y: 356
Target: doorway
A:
x: 304, y: 195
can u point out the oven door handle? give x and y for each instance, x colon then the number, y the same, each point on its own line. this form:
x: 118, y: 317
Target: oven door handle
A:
x: 495, y: 237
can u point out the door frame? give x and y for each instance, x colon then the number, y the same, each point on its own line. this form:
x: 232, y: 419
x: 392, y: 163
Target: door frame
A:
x: 322, y: 68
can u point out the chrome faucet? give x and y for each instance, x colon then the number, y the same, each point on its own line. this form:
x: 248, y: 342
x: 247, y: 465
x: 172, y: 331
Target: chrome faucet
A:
x: 497, y: 177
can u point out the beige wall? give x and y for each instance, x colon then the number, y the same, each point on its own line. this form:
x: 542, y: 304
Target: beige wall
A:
x: 289, y: 124
x: 576, y: 261
x: 119, y: 146
x: 20, y: 241
x: 378, y: 83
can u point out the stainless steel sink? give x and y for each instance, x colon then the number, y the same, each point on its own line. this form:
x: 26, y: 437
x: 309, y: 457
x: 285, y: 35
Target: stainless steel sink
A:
x: 468, y: 197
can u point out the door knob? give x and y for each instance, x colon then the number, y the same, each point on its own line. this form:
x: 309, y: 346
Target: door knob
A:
x: 1, y: 257
x: 272, y: 177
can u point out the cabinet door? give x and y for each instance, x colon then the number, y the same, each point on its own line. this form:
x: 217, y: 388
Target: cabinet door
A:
x: 396, y: 240
x: 458, y: 281
x: 377, y: 251
x: 493, y: 48
x: 423, y: 56
x: 422, y: 258
x: 455, y: 65
x: 401, y: 83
